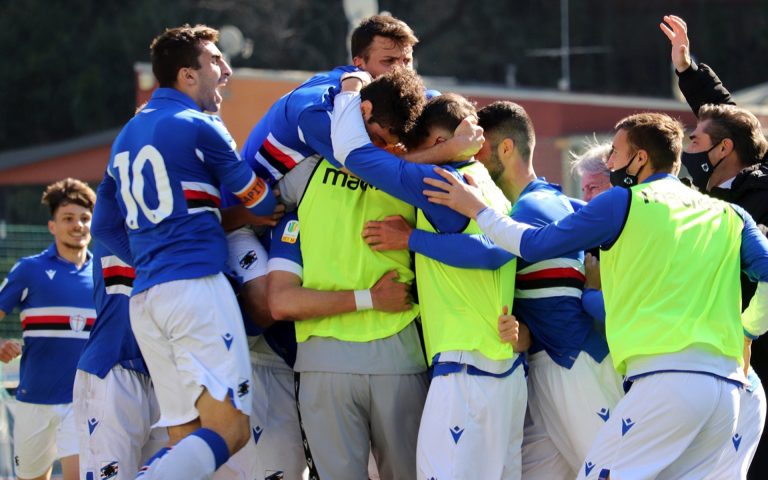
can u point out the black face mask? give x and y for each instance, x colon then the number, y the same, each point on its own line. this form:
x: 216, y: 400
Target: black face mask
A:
x: 620, y: 177
x: 699, y: 166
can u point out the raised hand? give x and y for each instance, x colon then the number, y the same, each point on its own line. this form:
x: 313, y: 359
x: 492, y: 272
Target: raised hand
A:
x: 676, y: 31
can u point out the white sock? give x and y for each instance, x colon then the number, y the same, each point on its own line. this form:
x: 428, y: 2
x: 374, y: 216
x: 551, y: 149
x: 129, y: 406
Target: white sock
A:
x: 195, y: 457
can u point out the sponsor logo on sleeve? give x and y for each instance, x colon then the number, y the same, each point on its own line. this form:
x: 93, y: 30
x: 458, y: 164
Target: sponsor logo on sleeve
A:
x: 291, y: 232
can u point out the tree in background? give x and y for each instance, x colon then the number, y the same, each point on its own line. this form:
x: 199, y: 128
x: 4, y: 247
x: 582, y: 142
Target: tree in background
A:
x: 68, y: 66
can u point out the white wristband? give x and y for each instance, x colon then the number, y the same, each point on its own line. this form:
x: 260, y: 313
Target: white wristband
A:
x: 363, y: 300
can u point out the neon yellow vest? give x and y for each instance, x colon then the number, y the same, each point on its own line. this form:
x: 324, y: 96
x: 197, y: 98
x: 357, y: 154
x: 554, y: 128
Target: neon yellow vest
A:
x: 460, y: 307
x: 335, y: 207
x: 671, y: 280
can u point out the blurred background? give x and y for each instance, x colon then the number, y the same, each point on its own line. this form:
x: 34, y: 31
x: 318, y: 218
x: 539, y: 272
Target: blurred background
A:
x: 74, y: 71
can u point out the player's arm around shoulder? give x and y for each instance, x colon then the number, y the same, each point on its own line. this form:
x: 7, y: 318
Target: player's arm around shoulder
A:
x: 289, y: 300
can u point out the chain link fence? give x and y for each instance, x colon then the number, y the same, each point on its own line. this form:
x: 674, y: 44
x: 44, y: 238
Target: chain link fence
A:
x: 18, y: 241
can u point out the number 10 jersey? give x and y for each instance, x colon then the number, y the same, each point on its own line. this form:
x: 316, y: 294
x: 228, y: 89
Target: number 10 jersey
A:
x: 162, y: 179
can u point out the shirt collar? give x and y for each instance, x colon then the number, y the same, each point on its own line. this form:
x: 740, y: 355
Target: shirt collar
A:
x: 177, y: 96
x: 539, y: 182
x: 728, y: 183
x: 52, y: 252
x: 660, y: 176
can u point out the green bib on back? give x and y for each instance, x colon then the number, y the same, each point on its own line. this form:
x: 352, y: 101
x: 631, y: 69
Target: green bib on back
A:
x: 460, y: 307
x: 671, y: 280
x: 335, y: 207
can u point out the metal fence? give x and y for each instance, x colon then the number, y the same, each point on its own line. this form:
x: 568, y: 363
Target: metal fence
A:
x: 18, y: 241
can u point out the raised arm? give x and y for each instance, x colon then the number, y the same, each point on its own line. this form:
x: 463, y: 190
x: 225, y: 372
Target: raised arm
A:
x: 698, y: 83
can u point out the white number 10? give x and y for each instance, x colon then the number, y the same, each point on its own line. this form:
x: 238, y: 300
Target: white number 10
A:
x: 133, y: 192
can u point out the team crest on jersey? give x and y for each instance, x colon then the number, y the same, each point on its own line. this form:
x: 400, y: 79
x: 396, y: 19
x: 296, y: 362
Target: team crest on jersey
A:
x: 108, y: 470
x: 243, y: 388
x: 248, y: 260
x: 291, y: 232
x: 77, y: 322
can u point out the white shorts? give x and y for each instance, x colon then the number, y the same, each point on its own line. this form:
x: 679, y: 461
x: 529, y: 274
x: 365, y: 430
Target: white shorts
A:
x: 247, y: 257
x: 571, y: 405
x: 670, y: 425
x: 41, y: 434
x: 541, y: 458
x: 472, y: 427
x: 740, y: 448
x: 276, y: 445
x: 191, y: 336
x: 114, y: 416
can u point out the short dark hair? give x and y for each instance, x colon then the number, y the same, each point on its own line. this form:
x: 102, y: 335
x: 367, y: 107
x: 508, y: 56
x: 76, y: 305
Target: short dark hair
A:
x: 178, y: 48
x: 658, y: 134
x: 738, y: 124
x: 385, y: 26
x: 69, y: 190
x: 445, y: 111
x: 397, y: 99
x: 505, y: 119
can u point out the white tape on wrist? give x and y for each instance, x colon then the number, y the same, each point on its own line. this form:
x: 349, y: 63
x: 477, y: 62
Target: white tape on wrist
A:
x: 363, y: 300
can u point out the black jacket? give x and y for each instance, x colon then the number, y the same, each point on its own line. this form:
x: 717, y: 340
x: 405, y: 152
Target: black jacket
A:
x: 700, y: 85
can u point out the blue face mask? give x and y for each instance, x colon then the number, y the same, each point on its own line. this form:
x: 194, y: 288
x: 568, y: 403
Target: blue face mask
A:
x: 620, y: 177
x: 699, y: 166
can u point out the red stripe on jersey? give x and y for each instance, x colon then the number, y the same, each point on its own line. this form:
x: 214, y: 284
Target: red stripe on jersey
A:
x: 201, y: 195
x: 279, y: 155
x: 119, y: 271
x: 52, y: 319
x: 551, y: 273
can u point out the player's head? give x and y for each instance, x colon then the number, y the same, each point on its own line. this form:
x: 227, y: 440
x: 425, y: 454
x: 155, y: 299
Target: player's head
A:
x: 391, y: 104
x: 186, y: 58
x: 644, y: 144
x: 726, y: 136
x: 508, y: 134
x: 591, y: 165
x: 438, y: 120
x: 70, y: 202
x: 381, y: 42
